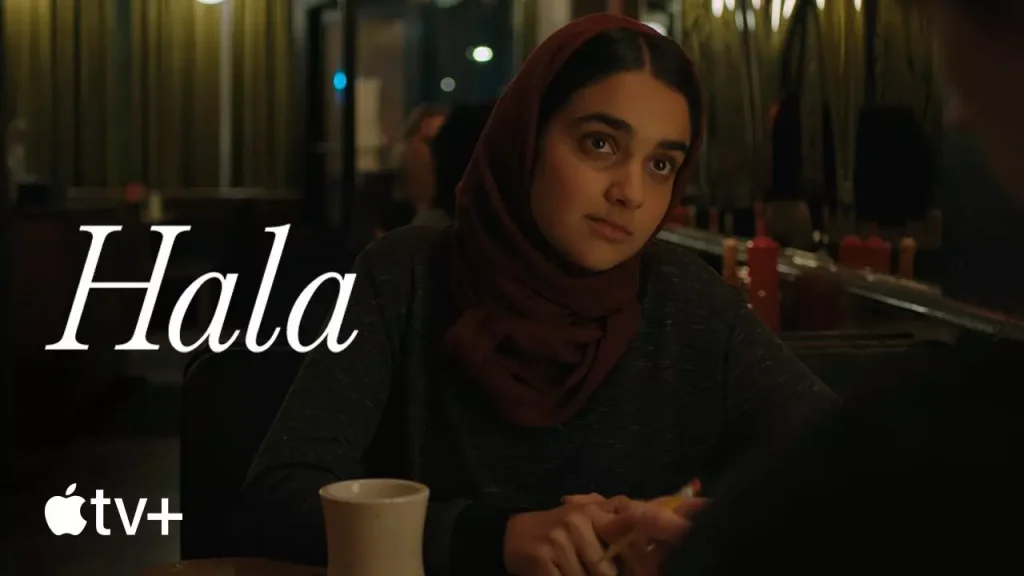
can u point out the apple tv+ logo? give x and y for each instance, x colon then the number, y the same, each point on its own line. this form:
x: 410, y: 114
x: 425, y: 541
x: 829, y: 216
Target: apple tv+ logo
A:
x: 64, y: 514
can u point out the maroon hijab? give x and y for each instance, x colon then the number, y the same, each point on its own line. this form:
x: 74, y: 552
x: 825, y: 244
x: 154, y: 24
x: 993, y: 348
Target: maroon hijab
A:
x: 533, y: 336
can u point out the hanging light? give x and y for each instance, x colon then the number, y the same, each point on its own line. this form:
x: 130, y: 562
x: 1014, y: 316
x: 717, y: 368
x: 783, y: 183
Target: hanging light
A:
x: 788, y: 7
x: 746, y: 19
x: 481, y: 54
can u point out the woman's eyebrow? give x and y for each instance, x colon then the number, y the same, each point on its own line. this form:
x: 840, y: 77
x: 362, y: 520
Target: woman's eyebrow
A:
x: 619, y: 125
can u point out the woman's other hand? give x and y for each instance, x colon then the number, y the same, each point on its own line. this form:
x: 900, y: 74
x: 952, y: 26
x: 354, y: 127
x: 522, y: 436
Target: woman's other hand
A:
x: 654, y: 529
x: 563, y: 541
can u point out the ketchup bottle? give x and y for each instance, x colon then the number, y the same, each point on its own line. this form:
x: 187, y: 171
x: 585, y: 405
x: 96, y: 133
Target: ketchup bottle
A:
x: 908, y: 250
x: 730, y: 261
x: 851, y: 252
x: 134, y: 192
x: 879, y: 255
x: 763, y: 262
x: 680, y: 216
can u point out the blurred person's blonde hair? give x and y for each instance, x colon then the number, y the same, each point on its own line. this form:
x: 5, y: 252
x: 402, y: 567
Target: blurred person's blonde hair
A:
x: 413, y: 123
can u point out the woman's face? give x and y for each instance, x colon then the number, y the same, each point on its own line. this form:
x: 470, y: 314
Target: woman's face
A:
x: 606, y: 167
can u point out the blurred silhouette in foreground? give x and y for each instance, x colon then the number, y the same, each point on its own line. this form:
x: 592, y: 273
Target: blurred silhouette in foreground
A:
x: 920, y: 476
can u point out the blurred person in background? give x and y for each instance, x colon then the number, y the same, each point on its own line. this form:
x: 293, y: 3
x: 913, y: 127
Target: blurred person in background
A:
x: 452, y: 150
x: 416, y: 184
x: 391, y: 199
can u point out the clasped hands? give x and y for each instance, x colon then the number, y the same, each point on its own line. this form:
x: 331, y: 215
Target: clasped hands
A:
x: 573, y: 539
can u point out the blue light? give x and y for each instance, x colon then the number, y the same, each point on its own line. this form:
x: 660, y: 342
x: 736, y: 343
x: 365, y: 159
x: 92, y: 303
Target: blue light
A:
x: 340, y: 81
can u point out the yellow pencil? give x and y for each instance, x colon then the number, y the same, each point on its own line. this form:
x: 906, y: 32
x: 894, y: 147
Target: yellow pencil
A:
x: 687, y: 492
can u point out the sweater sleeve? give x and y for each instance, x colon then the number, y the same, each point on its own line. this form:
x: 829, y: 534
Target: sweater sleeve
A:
x: 320, y: 435
x: 770, y: 392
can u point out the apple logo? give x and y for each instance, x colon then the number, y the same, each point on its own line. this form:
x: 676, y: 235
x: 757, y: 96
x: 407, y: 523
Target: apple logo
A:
x: 64, y: 515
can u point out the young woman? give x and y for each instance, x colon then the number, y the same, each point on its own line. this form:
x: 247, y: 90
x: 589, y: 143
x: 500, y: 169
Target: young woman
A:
x: 544, y: 346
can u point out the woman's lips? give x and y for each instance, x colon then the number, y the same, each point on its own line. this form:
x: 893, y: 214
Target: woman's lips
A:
x: 609, y: 230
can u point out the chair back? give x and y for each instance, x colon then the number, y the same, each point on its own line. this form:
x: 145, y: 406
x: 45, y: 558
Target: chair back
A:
x: 852, y: 363
x: 230, y: 399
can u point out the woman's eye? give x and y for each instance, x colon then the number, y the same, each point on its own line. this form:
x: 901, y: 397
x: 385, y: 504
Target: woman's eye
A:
x: 599, y: 144
x: 662, y: 166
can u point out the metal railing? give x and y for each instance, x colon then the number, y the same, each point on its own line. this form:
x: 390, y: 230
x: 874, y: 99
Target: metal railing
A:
x: 901, y: 293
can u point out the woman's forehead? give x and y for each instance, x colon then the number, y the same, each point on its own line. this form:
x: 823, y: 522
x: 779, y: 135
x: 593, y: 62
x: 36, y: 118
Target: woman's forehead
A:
x: 650, y: 108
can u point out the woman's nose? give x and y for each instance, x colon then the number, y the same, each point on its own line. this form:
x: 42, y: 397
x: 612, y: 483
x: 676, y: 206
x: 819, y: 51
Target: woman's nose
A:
x: 627, y: 189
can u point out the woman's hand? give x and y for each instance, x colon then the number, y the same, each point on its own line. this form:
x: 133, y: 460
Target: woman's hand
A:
x: 652, y: 527
x: 563, y: 541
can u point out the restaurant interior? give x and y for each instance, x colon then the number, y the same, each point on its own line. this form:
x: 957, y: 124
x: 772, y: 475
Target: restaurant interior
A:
x: 845, y: 226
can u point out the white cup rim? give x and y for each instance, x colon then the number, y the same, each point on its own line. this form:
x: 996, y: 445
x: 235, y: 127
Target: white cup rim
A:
x: 417, y: 491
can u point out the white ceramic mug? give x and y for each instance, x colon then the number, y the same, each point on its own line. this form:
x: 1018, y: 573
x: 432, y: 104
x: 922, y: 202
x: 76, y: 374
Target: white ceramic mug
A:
x: 374, y: 527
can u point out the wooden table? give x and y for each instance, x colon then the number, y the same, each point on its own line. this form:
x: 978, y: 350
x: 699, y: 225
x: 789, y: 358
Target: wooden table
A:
x: 233, y: 567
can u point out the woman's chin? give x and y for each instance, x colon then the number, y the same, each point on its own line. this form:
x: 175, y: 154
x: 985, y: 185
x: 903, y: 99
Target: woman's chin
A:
x: 595, y: 261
